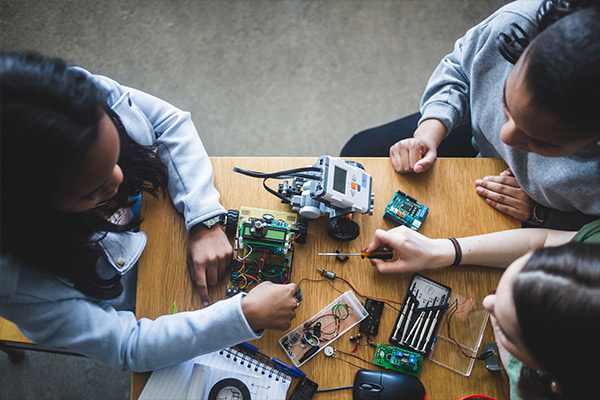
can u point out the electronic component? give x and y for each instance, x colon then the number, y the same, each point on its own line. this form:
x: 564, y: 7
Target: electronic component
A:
x: 398, y: 359
x: 304, y: 390
x: 420, y: 315
x: 370, y: 325
x: 491, y: 362
x: 330, y: 187
x: 323, y: 328
x: 327, y: 274
x: 404, y: 210
x: 264, y: 247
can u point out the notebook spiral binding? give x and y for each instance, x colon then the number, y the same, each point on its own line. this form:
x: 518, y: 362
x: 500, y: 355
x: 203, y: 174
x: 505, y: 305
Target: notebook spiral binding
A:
x: 254, y: 365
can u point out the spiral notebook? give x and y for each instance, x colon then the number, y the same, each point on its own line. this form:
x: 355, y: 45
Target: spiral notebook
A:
x: 213, y: 374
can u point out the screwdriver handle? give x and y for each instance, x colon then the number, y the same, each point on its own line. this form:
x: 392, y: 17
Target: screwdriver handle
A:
x: 378, y: 254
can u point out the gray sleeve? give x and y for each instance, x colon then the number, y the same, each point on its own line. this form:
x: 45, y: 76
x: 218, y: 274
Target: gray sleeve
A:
x: 447, y: 96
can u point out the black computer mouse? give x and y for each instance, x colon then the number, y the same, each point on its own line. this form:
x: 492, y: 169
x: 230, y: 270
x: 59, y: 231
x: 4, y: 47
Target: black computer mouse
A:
x: 376, y: 385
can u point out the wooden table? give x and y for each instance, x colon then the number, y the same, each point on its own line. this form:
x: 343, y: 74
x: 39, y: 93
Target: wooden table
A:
x: 455, y: 210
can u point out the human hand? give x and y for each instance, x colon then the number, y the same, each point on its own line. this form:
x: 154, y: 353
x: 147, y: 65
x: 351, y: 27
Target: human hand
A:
x: 419, y: 152
x: 504, y: 194
x: 415, y: 251
x: 271, y: 306
x: 209, y: 255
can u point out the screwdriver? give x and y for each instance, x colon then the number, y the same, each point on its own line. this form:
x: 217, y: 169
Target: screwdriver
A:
x: 378, y: 254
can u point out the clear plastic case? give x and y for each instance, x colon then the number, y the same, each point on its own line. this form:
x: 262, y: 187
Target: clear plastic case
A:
x: 323, y: 328
x: 466, y: 327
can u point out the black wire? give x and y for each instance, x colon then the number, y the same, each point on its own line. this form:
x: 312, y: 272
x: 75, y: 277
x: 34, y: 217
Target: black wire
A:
x: 333, y: 389
x: 451, y: 311
x: 284, y: 199
x: 286, y: 174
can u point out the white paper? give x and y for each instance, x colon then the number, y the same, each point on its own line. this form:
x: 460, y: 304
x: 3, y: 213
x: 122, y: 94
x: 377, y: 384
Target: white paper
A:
x: 194, y: 379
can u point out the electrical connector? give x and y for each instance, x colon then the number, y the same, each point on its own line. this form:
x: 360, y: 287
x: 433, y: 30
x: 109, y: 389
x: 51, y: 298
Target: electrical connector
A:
x: 327, y: 274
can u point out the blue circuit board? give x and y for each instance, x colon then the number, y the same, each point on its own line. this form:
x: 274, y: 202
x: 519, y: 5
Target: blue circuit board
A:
x: 404, y: 210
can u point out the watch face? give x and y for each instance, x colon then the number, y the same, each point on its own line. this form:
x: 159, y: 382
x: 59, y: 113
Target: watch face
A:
x: 209, y: 223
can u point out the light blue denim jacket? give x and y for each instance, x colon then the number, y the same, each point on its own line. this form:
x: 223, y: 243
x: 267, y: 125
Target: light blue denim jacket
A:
x: 50, y: 311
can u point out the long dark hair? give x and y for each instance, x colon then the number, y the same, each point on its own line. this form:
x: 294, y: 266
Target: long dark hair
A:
x: 557, y: 300
x: 563, y: 61
x: 49, y: 119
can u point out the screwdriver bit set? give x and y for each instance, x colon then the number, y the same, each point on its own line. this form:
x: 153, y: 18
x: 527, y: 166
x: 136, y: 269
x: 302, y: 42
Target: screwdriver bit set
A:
x: 421, y: 314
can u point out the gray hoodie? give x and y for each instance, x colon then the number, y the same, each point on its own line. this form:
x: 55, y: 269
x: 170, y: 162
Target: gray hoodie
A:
x: 468, y: 83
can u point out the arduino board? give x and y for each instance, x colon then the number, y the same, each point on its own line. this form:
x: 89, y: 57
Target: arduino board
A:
x: 405, y: 210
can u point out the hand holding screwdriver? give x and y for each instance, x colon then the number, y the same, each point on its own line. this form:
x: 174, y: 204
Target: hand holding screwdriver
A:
x: 379, y: 254
x: 414, y: 251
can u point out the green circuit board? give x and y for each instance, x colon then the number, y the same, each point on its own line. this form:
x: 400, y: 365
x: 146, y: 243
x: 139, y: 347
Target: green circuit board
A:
x: 405, y: 210
x: 398, y: 359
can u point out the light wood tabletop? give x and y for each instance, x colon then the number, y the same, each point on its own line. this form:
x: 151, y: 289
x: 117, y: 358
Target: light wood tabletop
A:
x: 455, y: 210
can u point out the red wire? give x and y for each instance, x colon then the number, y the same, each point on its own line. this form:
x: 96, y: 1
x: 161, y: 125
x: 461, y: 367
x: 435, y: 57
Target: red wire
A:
x: 466, y: 308
x: 477, y: 396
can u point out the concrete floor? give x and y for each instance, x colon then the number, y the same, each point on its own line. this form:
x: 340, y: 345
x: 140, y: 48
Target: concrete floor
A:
x: 260, y: 77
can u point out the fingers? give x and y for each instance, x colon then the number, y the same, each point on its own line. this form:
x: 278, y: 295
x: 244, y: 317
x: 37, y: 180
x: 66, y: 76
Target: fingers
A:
x: 209, y: 253
x: 505, y: 195
x: 516, y: 213
x: 201, y: 287
x: 408, y: 155
x: 376, y: 242
x: 426, y: 162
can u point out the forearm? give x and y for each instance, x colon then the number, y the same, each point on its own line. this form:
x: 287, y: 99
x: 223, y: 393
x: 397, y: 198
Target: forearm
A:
x: 499, y: 249
x: 431, y: 130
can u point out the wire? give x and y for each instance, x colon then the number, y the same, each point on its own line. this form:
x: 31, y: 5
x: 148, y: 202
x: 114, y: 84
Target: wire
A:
x: 333, y: 389
x: 477, y: 396
x: 285, y: 174
x: 352, y: 355
x: 386, y: 301
x: 453, y: 310
x: 470, y: 299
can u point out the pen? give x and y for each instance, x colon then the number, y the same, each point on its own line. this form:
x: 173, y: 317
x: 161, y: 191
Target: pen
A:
x: 280, y: 365
x: 288, y: 369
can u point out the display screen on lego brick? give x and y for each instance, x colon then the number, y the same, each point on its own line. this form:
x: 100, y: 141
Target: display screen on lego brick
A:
x: 339, y: 180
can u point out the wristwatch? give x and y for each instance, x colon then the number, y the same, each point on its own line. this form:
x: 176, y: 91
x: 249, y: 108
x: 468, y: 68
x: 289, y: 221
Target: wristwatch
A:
x: 539, y: 214
x: 217, y: 219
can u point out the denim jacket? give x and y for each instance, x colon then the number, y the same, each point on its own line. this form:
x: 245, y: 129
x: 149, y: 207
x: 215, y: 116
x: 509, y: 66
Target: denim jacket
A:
x: 50, y: 311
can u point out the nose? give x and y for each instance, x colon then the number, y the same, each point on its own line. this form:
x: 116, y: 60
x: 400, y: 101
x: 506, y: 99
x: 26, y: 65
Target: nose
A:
x: 512, y: 136
x: 115, y: 180
x: 117, y: 175
x: 488, y: 302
